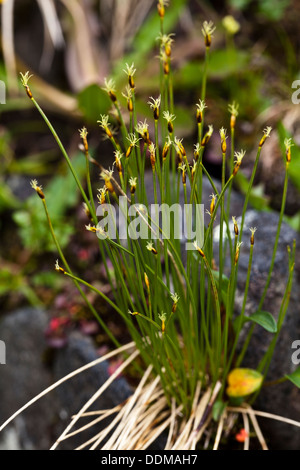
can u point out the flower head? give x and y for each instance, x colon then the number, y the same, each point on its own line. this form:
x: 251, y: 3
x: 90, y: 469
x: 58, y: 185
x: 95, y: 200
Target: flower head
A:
x: 196, y: 151
x: 288, y: 144
x: 59, y: 268
x: 213, y: 198
x: 224, y: 136
x: 151, y: 248
x: 166, y: 147
x: 128, y: 94
x: 83, y: 134
x: 106, y: 175
x: 105, y: 125
x: 102, y: 194
x: 34, y: 184
x: 133, y: 140
x: 201, y: 252
x: 207, y: 30
x: 132, y: 183
x: 162, y: 316
x: 161, y: 4
x: 142, y: 129
x: 235, y: 225
x: 109, y: 87
x: 24, y: 80
x: 238, y: 160
x: 266, y: 134
x: 200, y: 108
x: 130, y: 71
x: 252, y: 230
x: 233, y: 109
x: 207, y: 136
x: 175, y: 297
x: 155, y: 104
x: 25, y: 77
x: 118, y: 156
x: 239, y: 157
x: 166, y: 41
x: 169, y: 118
x: 237, y: 252
x: 231, y: 25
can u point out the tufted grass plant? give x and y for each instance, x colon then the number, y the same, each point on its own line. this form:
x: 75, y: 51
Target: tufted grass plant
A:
x: 179, y: 308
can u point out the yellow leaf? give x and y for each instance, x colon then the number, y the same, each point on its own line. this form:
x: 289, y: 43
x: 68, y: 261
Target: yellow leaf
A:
x: 242, y: 382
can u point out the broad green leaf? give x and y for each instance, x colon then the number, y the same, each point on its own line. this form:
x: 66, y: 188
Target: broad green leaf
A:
x: 295, y: 377
x: 61, y: 194
x: 257, y: 198
x: 273, y: 10
x: 7, y: 199
x: 146, y: 38
x: 93, y: 101
x: 264, y: 319
x: 243, y: 382
x: 217, y: 410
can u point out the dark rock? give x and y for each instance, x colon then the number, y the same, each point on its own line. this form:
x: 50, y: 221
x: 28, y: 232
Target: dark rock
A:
x: 24, y: 376
x: 73, y: 394
x: 282, y: 399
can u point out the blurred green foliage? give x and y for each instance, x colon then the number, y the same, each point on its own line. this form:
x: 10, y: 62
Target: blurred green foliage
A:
x: 61, y: 195
x: 272, y: 10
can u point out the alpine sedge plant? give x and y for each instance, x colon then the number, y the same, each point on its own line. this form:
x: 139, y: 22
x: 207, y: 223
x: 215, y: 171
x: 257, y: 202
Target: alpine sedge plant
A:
x: 179, y: 313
